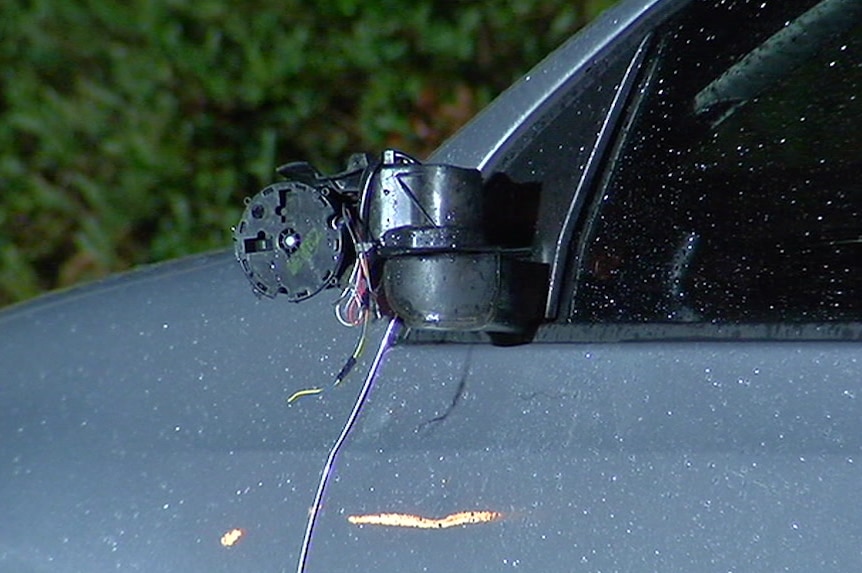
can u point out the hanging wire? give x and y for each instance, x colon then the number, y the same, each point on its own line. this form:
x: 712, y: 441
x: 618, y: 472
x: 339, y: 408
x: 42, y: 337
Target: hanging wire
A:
x: 358, y: 296
x: 357, y: 305
x: 345, y: 370
x: 388, y: 339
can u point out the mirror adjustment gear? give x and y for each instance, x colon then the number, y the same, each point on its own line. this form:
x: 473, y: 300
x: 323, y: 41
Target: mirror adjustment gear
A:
x: 426, y: 242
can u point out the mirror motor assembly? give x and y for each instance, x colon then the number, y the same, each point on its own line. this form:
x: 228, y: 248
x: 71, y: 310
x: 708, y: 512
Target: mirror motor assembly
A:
x: 433, y: 244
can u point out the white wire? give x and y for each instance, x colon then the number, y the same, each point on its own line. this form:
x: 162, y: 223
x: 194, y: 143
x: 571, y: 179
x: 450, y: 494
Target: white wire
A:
x: 392, y: 331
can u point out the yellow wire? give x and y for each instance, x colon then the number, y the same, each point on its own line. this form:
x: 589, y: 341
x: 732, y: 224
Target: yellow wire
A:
x: 361, y: 271
x: 357, y: 352
x: 300, y: 393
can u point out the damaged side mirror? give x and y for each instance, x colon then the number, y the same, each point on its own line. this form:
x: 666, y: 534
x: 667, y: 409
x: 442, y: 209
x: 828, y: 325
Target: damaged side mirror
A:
x: 435, y: 245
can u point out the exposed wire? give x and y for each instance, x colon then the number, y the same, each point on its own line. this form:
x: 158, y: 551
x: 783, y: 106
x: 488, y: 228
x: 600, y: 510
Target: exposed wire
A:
x: 356, y: 306
x: 345, y: 370
x: 305, y: 392
x: 357, y: 350
x: 358, y: 296
x: 388, y: 339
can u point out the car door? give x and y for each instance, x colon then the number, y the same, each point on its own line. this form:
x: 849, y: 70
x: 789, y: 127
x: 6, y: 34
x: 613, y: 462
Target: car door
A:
x: 692, y: 402
x: 143, y: 423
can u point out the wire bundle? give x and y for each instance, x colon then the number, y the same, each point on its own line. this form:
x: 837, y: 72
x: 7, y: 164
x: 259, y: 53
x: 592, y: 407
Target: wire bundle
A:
x: 357, y: 305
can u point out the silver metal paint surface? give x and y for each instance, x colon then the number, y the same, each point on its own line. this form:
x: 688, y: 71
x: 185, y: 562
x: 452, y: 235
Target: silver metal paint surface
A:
x: 143, y: 417
x: 483, y: 141
x: 686, y: 456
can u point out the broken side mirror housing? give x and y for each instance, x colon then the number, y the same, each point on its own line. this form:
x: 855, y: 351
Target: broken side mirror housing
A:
x: 442, y: 248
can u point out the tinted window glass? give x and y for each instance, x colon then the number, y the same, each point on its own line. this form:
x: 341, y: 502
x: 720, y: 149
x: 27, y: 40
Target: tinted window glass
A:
x: 736, y: 192
x: 555, y: 148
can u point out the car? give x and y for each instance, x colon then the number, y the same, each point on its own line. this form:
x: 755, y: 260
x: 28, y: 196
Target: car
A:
x: 651, y: 363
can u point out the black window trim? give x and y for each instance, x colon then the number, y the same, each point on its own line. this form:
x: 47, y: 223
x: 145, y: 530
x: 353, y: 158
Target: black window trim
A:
x: 595, y: 166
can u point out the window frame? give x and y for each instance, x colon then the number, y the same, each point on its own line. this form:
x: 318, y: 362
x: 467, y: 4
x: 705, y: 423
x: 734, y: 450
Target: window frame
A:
x: 571, y: 329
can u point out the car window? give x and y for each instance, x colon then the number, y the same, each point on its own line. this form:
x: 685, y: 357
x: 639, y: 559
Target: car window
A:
x: 555, y: 149
x: 735, y: 191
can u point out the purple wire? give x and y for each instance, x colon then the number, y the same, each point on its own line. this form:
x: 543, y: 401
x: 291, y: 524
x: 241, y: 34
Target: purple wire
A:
x: 392, y: 331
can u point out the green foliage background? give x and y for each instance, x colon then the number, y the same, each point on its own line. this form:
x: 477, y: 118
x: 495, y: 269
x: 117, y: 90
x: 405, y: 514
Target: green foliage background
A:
x: 131, y: 131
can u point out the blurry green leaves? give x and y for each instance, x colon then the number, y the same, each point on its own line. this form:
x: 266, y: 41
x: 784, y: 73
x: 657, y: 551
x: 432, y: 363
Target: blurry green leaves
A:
x: 131, y: 131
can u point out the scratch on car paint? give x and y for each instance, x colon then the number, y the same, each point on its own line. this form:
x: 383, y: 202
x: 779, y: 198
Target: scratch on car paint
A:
x: 232, y: 537
x: 459, y: 393
x: 420, y: 522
